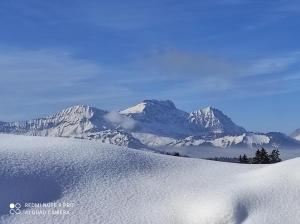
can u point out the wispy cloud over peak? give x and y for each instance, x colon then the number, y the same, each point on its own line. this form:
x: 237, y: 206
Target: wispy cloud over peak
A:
x: 118, y: 119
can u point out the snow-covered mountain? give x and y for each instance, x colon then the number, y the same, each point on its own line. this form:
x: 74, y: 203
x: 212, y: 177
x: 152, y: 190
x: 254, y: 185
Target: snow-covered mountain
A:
x: 149, y: 124
x: 164, y: 119
x: 117, y: 137
x: 247, y: 139
x: 77, y: 121
x: 296, y: 134
x: 159, y: 117
x: 73, y: 121
x: 212, y: 120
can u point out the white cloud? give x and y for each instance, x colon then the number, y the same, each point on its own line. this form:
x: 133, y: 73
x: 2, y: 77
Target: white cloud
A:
x: 123, y: 121
x: 190, y: 74
x: 48, y: 80
x: 272, y: 64
x: 45, y: 67
x: 53, y: 79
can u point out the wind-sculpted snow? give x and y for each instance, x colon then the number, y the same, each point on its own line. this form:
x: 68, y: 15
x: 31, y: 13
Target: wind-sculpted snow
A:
x: 114, y: 185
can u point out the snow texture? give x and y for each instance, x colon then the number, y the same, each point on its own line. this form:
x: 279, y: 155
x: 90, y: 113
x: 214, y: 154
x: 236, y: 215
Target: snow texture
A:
x: 115, y: 185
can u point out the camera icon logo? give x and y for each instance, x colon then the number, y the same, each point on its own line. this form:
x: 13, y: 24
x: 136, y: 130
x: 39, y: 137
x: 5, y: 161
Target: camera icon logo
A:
x: 15, y: 208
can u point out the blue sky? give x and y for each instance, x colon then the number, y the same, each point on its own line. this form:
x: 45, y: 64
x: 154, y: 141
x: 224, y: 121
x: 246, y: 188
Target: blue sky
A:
x: 240, y: 56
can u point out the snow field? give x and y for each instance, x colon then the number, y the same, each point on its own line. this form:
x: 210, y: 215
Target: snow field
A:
x: 110, y: 184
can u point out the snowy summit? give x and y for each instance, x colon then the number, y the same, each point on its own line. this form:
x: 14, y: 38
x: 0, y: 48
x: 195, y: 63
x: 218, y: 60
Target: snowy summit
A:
x: 147, y: 125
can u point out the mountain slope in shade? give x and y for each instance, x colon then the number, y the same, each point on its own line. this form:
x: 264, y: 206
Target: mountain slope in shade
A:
x: 296, y: 134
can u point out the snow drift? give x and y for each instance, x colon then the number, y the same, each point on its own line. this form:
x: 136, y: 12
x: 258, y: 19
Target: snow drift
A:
x: 111, y: 184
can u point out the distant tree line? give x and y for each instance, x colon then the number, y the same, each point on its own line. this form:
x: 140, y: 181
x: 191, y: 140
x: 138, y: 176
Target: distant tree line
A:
x: 225, y: 159
x: 175, y: 154
x: 262, y: 157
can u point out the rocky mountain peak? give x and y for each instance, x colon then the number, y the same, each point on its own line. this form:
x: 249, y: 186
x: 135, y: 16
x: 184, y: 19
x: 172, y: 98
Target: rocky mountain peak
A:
x: 215, y: 121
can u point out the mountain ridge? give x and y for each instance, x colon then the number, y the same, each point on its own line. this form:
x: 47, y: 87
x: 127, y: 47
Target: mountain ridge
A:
x: 147, y: 124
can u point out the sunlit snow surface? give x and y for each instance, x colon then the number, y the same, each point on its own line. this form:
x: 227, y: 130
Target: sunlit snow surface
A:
x: 109, y: 184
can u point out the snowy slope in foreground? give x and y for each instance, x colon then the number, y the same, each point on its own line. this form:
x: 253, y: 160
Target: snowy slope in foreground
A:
x: 110, y: 184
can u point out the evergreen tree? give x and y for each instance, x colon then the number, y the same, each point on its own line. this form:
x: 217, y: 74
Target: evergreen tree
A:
x: 245, y: 159
x: 264, y: 156
x: 274, y: 156
x: 257, y: 157
x: 176, y: 154
x: 261, y: 157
